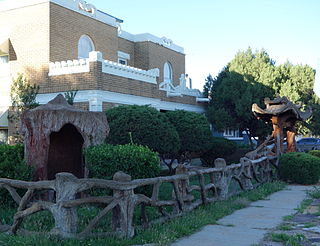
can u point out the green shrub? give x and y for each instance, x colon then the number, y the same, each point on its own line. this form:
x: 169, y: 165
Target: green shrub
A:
x: 193, y: 130
x: 142, y: 125
x: 220, y: 148
x: 298, y: 167
x: 314, y: 153
x: 12, y: 166
x: 106, y: 159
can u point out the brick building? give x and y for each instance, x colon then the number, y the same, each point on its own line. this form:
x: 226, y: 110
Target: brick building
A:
x: 64, y: 45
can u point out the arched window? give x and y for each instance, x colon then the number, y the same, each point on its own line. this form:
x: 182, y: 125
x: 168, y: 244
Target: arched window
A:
x: 167, y: 72
x: 85, y: 46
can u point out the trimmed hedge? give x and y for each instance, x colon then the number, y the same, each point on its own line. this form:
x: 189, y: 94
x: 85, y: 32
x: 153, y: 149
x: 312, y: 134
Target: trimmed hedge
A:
x: 220, y: 148
x: 193, y: 129
x: 13, y: 166
x: 142, y: 125
x: 106, y: 159
x: 314, y: 153
x: 300, y: 168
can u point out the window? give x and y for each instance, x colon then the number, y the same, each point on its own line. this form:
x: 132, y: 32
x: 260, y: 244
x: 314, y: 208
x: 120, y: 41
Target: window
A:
x: 3, y: 136
x: 85, y: 46
x: 4, y: 59
x: 123, y: 58
x: 167, y: 72
x: 229, y: 132
x: 123, y: 61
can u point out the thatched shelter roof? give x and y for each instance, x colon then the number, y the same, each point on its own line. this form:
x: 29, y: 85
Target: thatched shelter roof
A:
x: 279, y: 106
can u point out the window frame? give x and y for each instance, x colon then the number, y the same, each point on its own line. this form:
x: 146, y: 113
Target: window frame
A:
x: 81, y: 52
x: 167, y: 67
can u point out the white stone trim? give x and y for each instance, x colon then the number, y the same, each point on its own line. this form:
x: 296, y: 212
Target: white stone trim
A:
x: 147, y: 37
x: 97, y: 97
x: 69, y: 67
x: 123, y: 55
x: 109, y: 67
x: 181, y: 89
x: 95, y: 104
x: 202, y: 99
x: 114, y: 68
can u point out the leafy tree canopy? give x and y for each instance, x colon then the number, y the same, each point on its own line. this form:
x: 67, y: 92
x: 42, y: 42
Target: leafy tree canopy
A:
x: 249, y: 78
x: 23, y: 94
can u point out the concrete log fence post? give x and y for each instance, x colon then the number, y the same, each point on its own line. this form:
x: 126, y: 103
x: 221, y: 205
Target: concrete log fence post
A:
x: 66, y: 219
x: 221, y: 178
x: 122, y: 214
x: 246, y: 175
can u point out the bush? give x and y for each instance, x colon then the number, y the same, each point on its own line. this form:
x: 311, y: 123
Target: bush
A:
x: 220, y: 148
x: 12, y: 166
x: 193, y: 129
x: 142, y: 125
x: 106, y: 159
x: 298, y: 167
x: 314, y: 153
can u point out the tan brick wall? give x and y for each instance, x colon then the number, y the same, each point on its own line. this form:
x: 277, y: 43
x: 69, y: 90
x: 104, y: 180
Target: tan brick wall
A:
x: 149, y: 55
x: 96, y: 80
x: 66, y: 28
x: 78, y: 81
x: 141, y: 58
x: 128, y: 86
x: 82, y: 105
x: 29, y: 40
x: 127, y: 47
x: 108, y: 105
x: 159, y: 55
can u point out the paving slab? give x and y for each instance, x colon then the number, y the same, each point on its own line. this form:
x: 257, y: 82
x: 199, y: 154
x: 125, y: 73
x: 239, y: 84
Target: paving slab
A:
x: 249, y: 225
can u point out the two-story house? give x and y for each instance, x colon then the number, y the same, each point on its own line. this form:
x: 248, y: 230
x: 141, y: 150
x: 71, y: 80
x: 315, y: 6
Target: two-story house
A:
x: 64, y: 45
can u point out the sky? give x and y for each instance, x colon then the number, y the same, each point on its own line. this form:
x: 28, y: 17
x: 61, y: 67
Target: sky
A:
x: 213, y: 31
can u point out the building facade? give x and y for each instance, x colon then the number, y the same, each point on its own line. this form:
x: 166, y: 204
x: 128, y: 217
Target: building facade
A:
x: 65, y: 45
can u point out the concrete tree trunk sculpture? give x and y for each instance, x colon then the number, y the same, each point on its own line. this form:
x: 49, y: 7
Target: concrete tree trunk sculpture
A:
x: 283, y: 115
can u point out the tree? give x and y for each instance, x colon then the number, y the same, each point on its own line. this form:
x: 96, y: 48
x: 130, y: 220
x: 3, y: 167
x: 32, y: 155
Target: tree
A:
x: 249, y: 78
x: 23, y: 94
x: 145, y: 126
x: 23, y: 97
x: 70, y: 96
x: 296, y: 83
x: 230, y: 106
x: 194, y: 133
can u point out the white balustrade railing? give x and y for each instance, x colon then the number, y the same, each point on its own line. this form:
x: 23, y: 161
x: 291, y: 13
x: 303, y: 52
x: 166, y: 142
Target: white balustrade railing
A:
x: 109, y: 67
x: 69, y: 67
x: 114, y: 68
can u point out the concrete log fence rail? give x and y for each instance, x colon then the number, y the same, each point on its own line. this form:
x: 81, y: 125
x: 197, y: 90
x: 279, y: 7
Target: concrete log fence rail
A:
x: 213, y: 184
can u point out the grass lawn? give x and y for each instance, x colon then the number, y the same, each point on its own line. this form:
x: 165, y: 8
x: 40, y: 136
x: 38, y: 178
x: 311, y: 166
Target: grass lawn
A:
x: 160, y: 234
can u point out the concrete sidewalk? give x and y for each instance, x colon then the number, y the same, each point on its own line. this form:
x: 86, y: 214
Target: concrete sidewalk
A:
x: 247, y: 226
